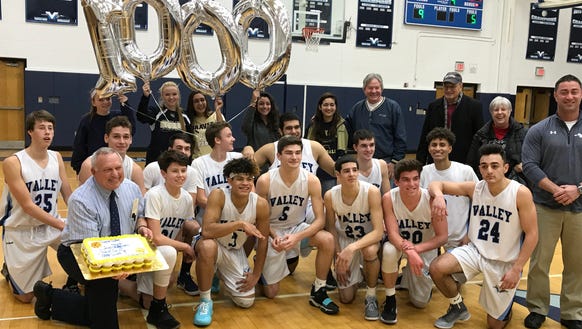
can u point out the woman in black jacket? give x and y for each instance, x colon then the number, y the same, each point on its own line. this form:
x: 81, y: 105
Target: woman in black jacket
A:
x: 504, y: 130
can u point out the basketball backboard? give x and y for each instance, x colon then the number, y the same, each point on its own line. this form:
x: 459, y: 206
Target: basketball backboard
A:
x: 326, y: 14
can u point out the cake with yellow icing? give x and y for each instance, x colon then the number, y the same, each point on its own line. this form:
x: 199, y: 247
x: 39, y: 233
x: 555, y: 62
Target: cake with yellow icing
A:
x: 116, y: 253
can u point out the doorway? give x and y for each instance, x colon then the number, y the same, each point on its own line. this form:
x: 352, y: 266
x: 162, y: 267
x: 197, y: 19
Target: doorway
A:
x: 533, y: 104
x: 12, y: 103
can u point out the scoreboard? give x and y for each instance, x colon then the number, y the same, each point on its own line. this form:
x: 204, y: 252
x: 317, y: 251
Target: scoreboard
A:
x: 458, y: 14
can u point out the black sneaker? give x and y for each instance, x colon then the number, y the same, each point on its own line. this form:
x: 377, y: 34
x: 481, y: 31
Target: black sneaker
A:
x: 186, y: 283
x: 456, y: 312
x: 389, y: 310
x: 159, y: 316
x: 534, y: 320
x: 330, y: 282
x: 320, y: 299
x: 572, y: 324
x: 44, y: 294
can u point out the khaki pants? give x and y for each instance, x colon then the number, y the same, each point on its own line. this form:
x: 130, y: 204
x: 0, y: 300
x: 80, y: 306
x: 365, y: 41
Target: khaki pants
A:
x: 556, y: 224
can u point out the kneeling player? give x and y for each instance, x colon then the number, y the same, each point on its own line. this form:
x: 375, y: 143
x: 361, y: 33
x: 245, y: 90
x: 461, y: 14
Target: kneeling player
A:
x: 354, y: 217
x: 231, y: 215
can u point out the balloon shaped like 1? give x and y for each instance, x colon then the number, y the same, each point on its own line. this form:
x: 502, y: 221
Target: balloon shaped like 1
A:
x: 100, y: 16
x: 275, y: 65
x: 166, y: 55
x: 220, y: 20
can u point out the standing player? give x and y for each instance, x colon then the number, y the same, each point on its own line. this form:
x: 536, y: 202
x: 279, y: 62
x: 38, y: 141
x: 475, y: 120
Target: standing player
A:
x: 440, y: 144
x: 313, y: 156
x: 34, y: 177
x: 412, y: 233
x: 353, y: 211
x: 502, y: 211
x: 118, y: 137
x: 287, y: 190
x: 372, y: 170
x: 231, y: 215
x: 209, y: 167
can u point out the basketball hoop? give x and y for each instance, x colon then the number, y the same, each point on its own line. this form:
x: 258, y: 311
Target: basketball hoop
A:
x: 312, y: 36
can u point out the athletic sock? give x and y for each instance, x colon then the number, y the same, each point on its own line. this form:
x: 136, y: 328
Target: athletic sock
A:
x: 371, y: 291
x: 390, y: 291
x: 456, y: 300
x: 318, y: 283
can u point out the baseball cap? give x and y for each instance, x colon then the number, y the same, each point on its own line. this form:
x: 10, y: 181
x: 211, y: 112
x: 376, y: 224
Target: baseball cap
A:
x: 453, y: 77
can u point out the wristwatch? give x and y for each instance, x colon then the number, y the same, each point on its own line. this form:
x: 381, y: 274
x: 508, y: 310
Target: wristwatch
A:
x: 580, y: 189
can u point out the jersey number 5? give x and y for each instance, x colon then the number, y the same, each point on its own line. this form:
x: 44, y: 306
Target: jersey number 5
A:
x: 284, y: 215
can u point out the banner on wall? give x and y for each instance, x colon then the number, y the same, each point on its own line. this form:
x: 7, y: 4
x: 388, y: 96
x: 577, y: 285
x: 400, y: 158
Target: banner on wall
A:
x: 374, y: 24
x: 52, y: 11
x: 324, y: 9
x: 543, y: 29
x: 202, y: 28
x: 259, y: 29
x: 575, y: 44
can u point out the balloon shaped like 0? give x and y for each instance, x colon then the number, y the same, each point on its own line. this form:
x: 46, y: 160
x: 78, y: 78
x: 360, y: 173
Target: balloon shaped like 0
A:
x: 100, y: 16
x: 275, y: 65
x: 164, y: 58
x: 220, y: 20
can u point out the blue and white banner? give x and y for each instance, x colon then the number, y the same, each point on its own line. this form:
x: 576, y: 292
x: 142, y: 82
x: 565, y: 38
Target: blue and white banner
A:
x: 52, y: 11
x: 374, y: 28
x: 543, y: 29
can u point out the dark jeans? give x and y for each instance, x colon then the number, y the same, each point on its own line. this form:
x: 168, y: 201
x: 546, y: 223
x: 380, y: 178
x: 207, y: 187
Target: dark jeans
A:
x: 98, y: 308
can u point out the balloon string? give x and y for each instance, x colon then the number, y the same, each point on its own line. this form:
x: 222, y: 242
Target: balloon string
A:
x: 239, y: 113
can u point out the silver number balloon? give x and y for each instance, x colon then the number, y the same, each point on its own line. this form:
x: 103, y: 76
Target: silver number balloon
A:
x: 274, y: 13
x: 220, y: 20
x: 165, y: 56
x: 102, y: 18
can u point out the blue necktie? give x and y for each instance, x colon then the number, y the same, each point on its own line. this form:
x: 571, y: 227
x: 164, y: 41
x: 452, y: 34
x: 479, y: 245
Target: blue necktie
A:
x: 114, y: 213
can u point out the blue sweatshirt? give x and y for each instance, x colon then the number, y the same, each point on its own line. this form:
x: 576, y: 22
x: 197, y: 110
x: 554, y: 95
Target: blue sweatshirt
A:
x: 387, y: 124
x: 550, y: 150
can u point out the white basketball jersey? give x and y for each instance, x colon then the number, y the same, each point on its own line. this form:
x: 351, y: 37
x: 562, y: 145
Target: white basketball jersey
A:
x: 288, y: 203
x: 236, y: 239
x: 170, y: 211
x: 209, y: 175
x: 416, y: 225
x: 457, y: 206
x: 494, y: 225
x: 127, y: 166
x: 352, y: 221
x: 152, y: 176
x: 307, y: 160
x: 375, y: 176
x: 44, y: 185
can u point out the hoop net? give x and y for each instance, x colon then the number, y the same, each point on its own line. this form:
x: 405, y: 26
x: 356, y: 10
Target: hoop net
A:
x: 312, y: 36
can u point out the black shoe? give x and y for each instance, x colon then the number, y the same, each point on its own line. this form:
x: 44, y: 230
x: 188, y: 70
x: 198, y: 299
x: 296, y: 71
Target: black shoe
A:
x: 44, y: 294
x: 389, y: 310
x: 320, y: 299
x: 330, y: 282
x: 159, y: 316
x: 534, y: 320
x: 572, y: 324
